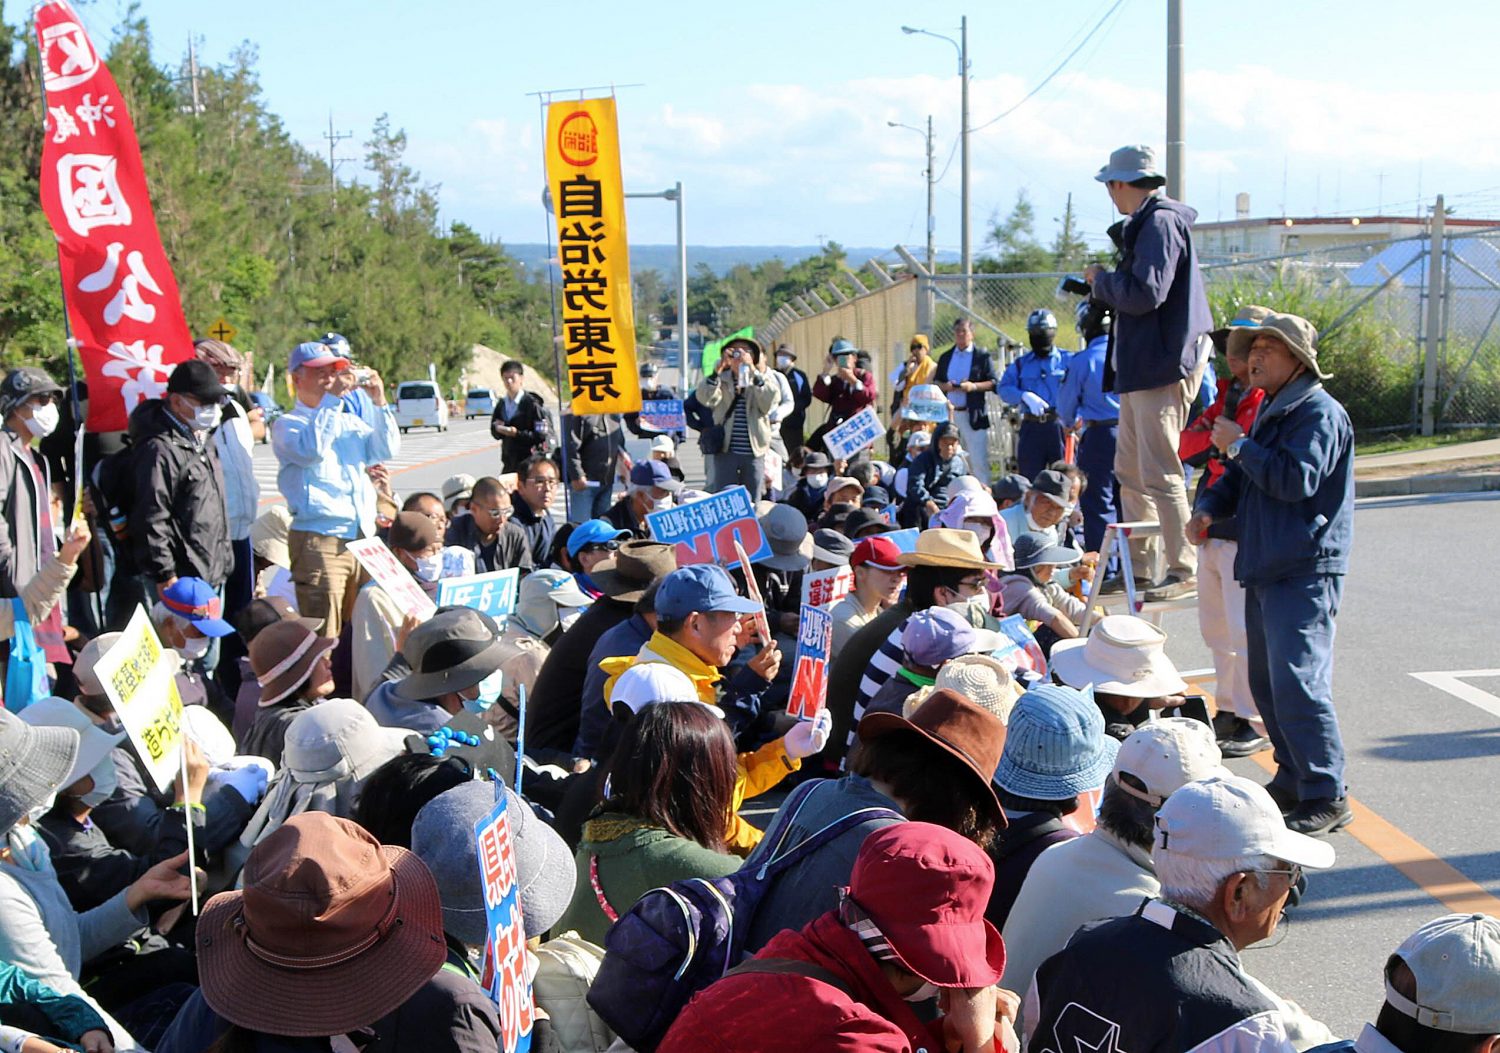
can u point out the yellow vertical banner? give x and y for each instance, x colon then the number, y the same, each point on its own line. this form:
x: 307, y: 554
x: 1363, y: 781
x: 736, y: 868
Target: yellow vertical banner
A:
x: 588, y: 199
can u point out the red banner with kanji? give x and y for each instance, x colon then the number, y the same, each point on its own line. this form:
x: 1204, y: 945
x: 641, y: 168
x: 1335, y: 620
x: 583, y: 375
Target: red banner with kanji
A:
x: 122, y: 298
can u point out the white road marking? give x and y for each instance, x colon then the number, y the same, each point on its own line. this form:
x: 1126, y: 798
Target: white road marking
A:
x: 1453, y: 683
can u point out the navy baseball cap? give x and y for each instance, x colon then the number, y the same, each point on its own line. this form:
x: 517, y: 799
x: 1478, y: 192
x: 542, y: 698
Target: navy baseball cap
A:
x: 339, y: 343
x: 593, y: 532
x: 195, y: 600
x: 701, y: 587
x: 314, y: 353
x: 654, y: 473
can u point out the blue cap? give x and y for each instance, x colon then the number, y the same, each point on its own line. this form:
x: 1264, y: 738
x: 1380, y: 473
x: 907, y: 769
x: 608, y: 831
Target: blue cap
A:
x: 593, y: 532
x: 655, y: 473
x: 312, y: 353
x: 339, y: 343
x: 701, y: 587
x: 1055, y: 745
x: 196, y: 601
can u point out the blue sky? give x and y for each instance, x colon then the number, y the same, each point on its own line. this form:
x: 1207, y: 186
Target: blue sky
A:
x: 774, y: 114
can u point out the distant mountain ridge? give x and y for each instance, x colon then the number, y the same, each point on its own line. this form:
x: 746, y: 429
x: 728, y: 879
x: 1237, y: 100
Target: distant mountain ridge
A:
x: 720, y: 258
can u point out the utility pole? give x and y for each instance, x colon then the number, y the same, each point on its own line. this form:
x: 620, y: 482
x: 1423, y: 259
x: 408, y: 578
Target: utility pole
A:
x: 682, y: 276
x: 1176, y: 172
x: 967, y: 249
x: 1436, y: 289
x: 334, y: 138
x: 193, y: 73
x: 931, y: 223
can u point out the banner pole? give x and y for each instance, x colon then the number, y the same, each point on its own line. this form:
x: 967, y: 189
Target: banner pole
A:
x: 187, y: 815
x: 520, y: 734
x: 543, y: 100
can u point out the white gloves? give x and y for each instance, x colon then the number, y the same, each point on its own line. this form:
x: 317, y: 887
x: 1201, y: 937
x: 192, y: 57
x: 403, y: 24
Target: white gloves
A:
x: 1034, y: 403
x: 809, y: 736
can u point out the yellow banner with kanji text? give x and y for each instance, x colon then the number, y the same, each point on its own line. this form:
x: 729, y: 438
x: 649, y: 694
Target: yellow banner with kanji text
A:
x: 588, y: 199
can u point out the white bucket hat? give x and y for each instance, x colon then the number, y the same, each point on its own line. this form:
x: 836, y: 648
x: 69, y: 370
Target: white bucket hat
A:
x: 1123, y: 655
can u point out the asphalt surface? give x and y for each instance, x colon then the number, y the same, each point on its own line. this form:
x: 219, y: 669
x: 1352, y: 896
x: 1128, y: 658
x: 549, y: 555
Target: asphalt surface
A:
x: 1423, y: 761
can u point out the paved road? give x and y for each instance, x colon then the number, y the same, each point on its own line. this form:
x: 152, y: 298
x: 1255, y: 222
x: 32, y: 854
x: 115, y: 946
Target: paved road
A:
x: 1422, y: 760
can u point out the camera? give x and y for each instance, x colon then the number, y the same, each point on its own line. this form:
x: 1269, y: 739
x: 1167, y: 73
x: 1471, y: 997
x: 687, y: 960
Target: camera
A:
x: 1073, y: 284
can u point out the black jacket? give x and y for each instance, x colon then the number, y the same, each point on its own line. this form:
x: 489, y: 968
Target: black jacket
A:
x: 511, y: 547
x: 554, y: 706
x: 179, y: 523
x: 593, y: 443
x: 534, y: 427
x: 981, y: 368
x: 91, y: 870
x: 134, y: 818
x: 20, y: 516
x: 802, y: 394
x: 540, y: 529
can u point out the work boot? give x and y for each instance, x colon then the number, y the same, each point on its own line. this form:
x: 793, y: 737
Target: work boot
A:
x: 1285, y: 800
x: 1172, y: 587
x: 1320, y: 816
x: 1240, y: 739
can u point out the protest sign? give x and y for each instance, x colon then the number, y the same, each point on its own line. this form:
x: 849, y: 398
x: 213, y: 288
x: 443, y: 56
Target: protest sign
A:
x: 1022, y: 652
x: 505, y: 976
x: 824, y: 588
x: 588, y: 200
x: 493, y: 593
x: 926, y: 404
x: 140, y: 680
x: 752, y: 589
x: 663, y: 415
x: 810, y: 674
x: 859, y: 431
x: 705, y: 531
x: 395, y: 579
x: 905, y: 540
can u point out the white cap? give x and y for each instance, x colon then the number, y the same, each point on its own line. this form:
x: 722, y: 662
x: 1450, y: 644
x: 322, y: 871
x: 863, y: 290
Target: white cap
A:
x: 1455, y: 960
x: 1166, y: 754
x: 646, y: 683
x: 663, y: 444
x: 1123, y: 655
x: 1226, y: 817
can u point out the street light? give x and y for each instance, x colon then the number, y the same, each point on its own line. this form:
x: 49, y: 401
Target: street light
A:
x: 931, y: 256
x: 961, y: 45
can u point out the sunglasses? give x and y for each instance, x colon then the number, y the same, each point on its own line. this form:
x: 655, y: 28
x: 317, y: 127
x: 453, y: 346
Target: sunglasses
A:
x: 601, y: 546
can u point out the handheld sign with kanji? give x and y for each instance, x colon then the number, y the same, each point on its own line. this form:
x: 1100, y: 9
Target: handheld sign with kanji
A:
x: 663, y: 415
x: 505, y: 975
x: 854, y: 434
x: 705, y: 531
x: 810, y: 674
x: 395, y: 579
x: 139, y: 679
x: 494, y: 593
x: 824, y: 588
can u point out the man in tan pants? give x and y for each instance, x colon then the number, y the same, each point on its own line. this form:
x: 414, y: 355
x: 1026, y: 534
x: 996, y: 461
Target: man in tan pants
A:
x: 1159, y: 349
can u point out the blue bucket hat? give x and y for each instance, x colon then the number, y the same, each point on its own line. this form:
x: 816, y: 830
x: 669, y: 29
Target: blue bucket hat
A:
x: 1055, y: 745
x: 701, y: 587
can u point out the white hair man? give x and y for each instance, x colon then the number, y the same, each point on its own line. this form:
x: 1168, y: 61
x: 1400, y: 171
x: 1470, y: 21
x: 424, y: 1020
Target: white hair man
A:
x: 1168, y: 976
x: 1106, y: 873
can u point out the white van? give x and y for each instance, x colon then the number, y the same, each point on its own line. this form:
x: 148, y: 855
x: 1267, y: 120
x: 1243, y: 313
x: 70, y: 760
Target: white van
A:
x: 420, y: 404
x: 479, y: 402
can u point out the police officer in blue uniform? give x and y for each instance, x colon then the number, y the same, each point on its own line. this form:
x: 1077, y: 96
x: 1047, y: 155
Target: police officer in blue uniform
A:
x: 1033, y: 382
x: 1087, y: 403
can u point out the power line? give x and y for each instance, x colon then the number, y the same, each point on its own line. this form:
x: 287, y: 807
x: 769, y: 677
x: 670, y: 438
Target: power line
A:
x: 1056, y: 70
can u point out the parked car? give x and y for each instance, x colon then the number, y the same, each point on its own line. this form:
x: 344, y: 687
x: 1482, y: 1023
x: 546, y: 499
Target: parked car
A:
x: 479, y: 402
x: 419, y: 404
x: 270, y: 408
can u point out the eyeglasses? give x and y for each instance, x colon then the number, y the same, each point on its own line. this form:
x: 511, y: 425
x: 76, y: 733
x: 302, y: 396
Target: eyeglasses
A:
x: 497, y: 511
x: 974, y: 585
x: 1294, y: 874
x: 543, y: 480
x: 601, y: 546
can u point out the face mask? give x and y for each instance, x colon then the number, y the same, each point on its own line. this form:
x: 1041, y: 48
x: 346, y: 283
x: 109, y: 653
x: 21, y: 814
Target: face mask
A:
x: 974, y: 610
x: 207, y: 418
x: 194, y: 648
x: 489, y: 693
x: 782, y: 361
x: 566, y: 616
x: 818, y: 480
x: 42, y: 808
x: 925, y: 993
x: 430, y: 568
x: 43, y: 420
x: 105, y: 782
x: 650, y: 383
x: 27, y: 850
x: 661, y: 504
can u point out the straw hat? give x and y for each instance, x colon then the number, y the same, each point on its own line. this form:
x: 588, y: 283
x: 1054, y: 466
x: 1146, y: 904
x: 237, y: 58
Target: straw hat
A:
x: 945, y: 547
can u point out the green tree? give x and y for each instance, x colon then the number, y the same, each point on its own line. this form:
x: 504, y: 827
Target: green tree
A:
x: 1013, y: 238
x: 1068, y: 248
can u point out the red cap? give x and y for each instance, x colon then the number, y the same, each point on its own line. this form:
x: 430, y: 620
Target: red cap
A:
x: 877, y: 551
x: 926, y: 888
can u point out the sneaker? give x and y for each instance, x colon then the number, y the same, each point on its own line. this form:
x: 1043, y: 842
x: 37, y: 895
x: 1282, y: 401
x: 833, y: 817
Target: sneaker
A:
x: 1116, y: 585
x: 1172, y: 588
x: 1243, y: 740
x: 1285, y: 800
x: 1225, y: 724
x: 1318, y: 817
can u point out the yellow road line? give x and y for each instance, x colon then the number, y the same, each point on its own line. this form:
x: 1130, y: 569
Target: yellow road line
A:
x: 1420, y: 865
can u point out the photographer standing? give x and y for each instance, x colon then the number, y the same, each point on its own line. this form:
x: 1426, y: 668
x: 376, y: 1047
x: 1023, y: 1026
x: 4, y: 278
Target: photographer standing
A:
x: 740, y: 399
x: 324, y: 453
x: 1159, y: 351
x: 846, y: 384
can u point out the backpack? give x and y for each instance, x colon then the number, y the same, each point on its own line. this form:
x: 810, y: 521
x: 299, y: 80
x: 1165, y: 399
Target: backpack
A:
x: 678, y: 939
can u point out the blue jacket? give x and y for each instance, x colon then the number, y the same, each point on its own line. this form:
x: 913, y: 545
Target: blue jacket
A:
x: 323, y: 453
x: 1157, y: 294
x: 1083, y: 394
x: 1292, y: 486
x: 1042, y: 375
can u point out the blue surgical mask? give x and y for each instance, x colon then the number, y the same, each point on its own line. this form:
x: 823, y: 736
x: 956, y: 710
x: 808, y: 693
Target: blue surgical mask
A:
x: 430, y: 568
x: 105, y: 781
x: 27, y: 850
x: 489, y: 693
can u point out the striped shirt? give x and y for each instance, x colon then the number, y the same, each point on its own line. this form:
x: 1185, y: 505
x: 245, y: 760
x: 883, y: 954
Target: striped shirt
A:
x: 739, y: 428
x: 883, y: 665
